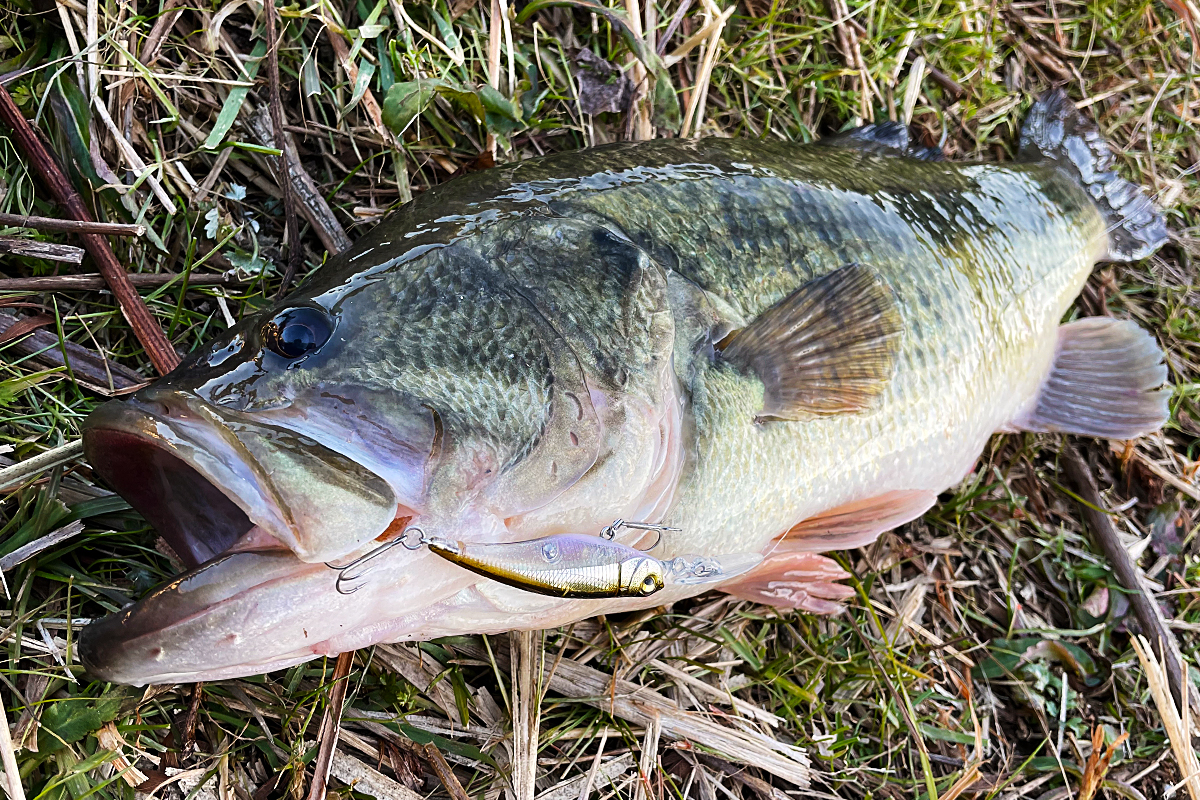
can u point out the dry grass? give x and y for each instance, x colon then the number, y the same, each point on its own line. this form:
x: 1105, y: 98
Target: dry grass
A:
x: 989, y: 641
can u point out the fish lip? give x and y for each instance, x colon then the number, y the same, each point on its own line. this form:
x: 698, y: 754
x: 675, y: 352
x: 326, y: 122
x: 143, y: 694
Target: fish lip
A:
x: 114, y: 648
x: 189, y: 477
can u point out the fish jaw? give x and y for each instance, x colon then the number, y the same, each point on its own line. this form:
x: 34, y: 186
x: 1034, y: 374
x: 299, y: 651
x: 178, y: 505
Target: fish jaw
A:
x: 245, y: 613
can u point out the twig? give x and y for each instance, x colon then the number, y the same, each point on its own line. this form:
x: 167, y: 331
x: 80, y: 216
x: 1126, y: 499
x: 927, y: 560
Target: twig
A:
x: 368, y: 780
x: 291, y: 226
x: 525, y: 712
x: 158, y: 34
x: 158, y: 348
x: 290, y: 168
x: 948, y: 84
x: 1149, y: 615
x: 445, y: 774
x: 675, y: 20
x: 33, y: 248
x: 93, y: 282
x: 495, y: 34
x: 88, y: 369
x: 11, y: 476
x: 71, y: 225
x: 12, y: 775
x: 1177, y: 724
x: 331, y: 725
x: 28, y: 551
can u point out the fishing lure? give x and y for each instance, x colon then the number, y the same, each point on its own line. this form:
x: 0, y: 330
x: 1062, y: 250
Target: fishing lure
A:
x: 565, y: 565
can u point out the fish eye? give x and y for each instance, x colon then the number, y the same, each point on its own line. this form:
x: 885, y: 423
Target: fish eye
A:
x: 298, y: 331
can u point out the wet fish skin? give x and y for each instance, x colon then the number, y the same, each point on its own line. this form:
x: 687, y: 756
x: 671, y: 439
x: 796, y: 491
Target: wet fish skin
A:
x: 534, y: 350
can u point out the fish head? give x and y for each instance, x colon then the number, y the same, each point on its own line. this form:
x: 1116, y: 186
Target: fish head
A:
x: 242, y: 447
x: 312, y: 433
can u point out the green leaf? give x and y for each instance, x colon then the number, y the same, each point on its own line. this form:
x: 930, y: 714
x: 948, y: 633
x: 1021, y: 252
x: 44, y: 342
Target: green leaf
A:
x: 67, y: 721
x: 503, y: 115
x: 666, y: 111
x: 943, y: 735
x: 366, y: 71
x: 405, y: 100
x: 237, y: 96
x: 99, y: 506
x: 13, y: 388
x: 467, y: 99
x: 71, y: 108
x: 497, y: 103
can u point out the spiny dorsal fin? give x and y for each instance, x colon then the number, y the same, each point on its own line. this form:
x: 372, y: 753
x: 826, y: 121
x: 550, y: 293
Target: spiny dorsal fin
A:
x: 883, y: 138
x: 827, y: 348
x: 1057, y: 132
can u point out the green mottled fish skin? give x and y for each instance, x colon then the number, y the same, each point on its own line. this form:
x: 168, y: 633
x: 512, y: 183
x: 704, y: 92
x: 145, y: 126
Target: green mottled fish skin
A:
x: 983, y: 259
x: 503, y: 300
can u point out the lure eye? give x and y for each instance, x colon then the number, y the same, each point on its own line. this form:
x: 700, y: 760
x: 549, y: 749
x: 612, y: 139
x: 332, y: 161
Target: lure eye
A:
x: 650, y: 585
x: 297, y: 332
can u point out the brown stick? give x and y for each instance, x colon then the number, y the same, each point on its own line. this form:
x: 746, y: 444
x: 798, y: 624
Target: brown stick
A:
x: 291, y: 225
x: 331, y: 725
x: 71, y: 225
x: 92, y: 282
x: 1149, y: 615
x: 32, y: 248
x: 289, y: 167
x: 89, y: 369
x: 158, y: 348
x: 445, y: 774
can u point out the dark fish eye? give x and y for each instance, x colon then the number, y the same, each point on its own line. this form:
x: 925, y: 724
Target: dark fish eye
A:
x: 296, y: 332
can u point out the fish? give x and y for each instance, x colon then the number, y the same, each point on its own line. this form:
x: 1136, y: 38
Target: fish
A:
x: 777, y: 350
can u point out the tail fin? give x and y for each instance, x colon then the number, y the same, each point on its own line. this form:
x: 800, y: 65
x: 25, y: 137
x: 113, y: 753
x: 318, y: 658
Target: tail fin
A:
x: 1057, y: 132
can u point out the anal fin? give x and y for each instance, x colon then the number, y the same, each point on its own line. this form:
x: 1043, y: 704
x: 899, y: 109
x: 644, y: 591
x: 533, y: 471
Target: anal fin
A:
x: 857, y: 524
x: 827, y: 348
x: 1106, y: 381
x: 794, y: 576
x: 804, y: 581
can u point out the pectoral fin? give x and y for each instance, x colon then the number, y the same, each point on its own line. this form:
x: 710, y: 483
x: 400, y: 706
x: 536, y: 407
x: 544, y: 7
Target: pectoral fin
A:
x: 827, y: 348
x: 1105, y: 381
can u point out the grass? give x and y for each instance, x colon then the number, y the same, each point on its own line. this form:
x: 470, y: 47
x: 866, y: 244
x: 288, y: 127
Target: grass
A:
x: 988, y: 640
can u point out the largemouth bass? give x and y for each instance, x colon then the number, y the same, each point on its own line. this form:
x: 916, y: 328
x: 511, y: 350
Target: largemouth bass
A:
x: 776, y: 349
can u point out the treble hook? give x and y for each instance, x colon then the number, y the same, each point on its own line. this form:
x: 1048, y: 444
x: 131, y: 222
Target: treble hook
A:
x: 411, y: 539
x: 609, y: 531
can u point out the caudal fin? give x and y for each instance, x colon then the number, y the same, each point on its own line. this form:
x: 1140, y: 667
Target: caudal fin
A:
x: 1056, y: 131
x: 1106, y: 381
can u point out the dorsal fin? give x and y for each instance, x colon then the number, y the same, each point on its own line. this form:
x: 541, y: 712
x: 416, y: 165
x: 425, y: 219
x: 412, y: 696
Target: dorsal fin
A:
x: 1055, y: 131
x: 885, y: 138
x: 827, y: 348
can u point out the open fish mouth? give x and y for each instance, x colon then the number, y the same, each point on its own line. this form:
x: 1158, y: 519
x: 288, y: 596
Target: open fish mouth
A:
x: 238, y: 503
x: 196, y: 490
